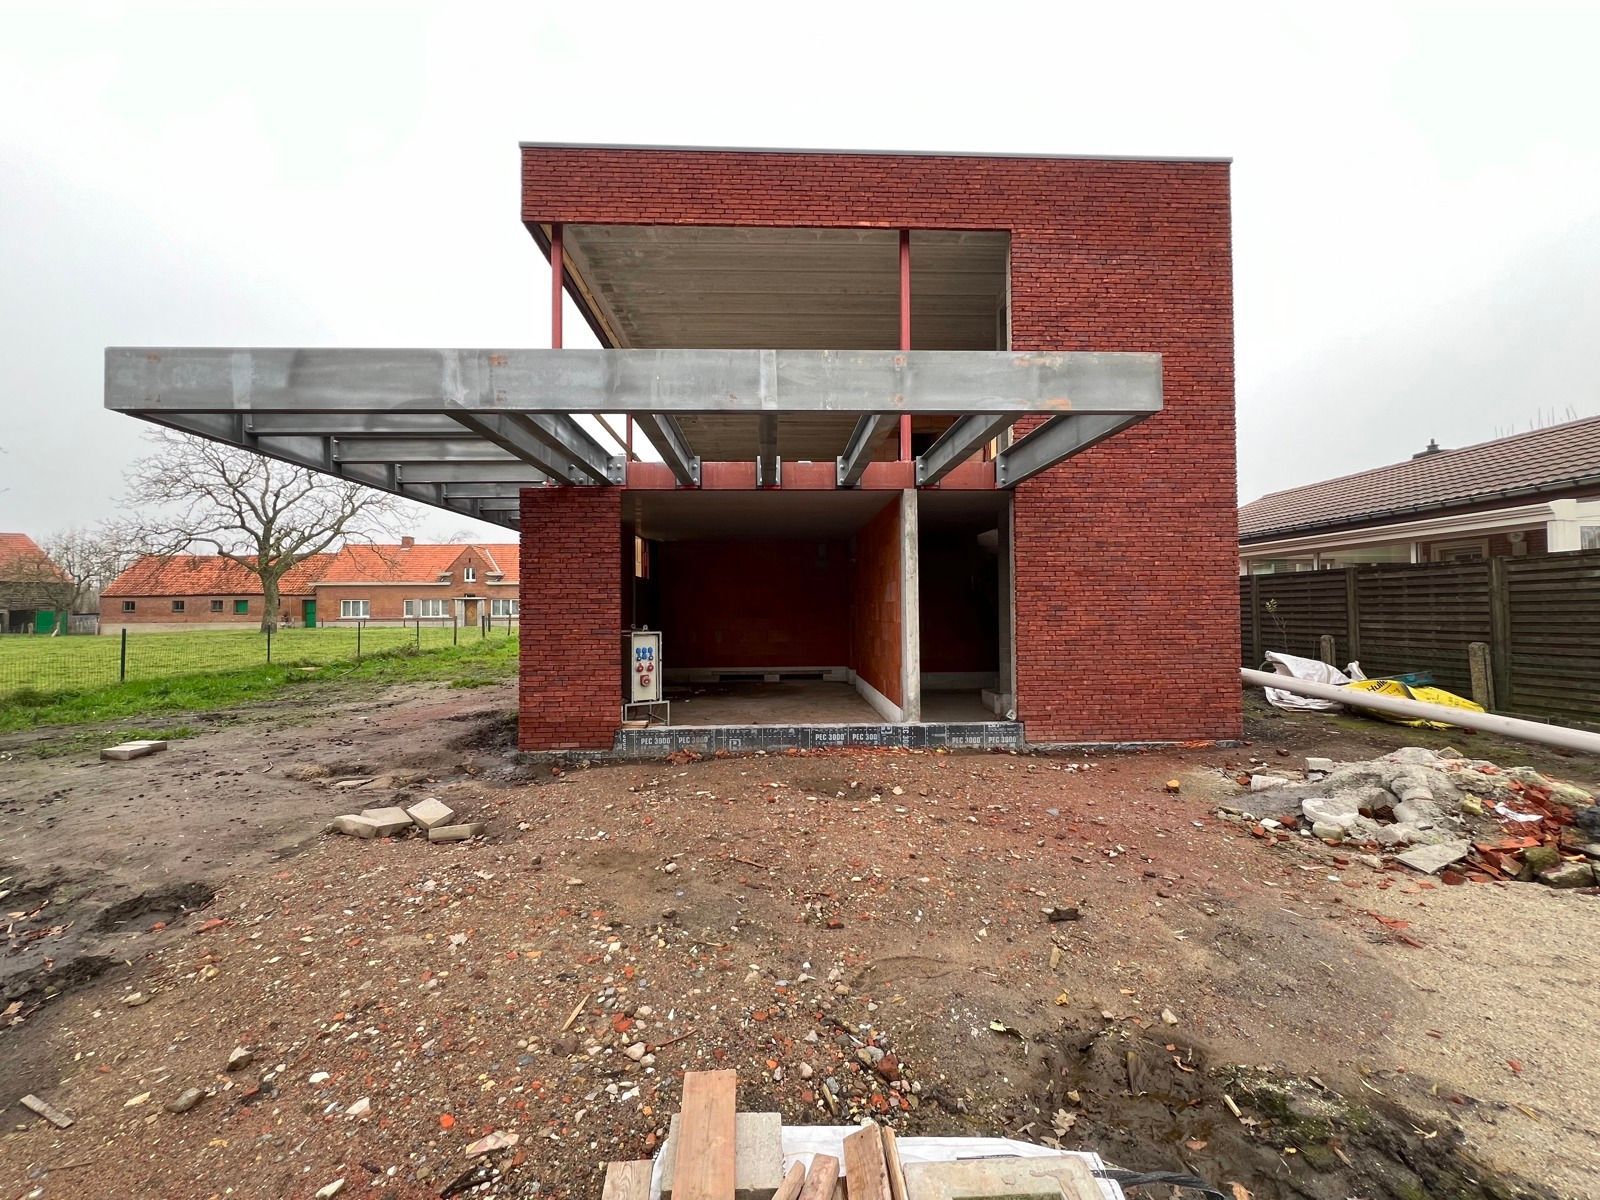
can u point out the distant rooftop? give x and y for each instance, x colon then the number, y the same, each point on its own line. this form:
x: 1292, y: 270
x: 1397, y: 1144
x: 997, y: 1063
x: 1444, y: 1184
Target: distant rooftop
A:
x: 1523, y: 465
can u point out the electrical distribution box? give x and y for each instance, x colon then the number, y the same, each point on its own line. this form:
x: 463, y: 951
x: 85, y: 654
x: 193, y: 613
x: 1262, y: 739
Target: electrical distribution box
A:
x: 644, y: 667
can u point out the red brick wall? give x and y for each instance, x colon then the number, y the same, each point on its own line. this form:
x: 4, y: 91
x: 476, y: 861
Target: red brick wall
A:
x: 1127, y: 555
x: 875, y: 621
x: 386, y: 602
x: 571, y: 632
x: 754, y: 604
x: 157, y: 610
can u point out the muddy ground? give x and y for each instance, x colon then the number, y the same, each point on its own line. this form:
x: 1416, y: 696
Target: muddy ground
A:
x: 866, y: 918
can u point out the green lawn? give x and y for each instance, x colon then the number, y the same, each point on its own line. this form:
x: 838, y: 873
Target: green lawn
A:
x: 475, y: 662
x: 54, y: 664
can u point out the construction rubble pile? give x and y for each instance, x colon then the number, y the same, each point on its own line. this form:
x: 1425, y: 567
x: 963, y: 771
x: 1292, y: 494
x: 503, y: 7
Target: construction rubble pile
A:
x: 431, y: 817
x: 1435, y: 811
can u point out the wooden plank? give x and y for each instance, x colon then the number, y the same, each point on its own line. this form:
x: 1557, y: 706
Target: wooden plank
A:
x: 891, y: 1158
x: 820, y: 1179
x: 866, y: 1175
x: 704, y: 1166
x: 627, y: 1181
x: 793, y: 1181
x: 47, y: 1110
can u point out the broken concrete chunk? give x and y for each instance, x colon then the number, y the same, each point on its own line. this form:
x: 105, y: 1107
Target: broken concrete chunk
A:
x: 1022, y: 1178
x: 757, y: 1156
x: 1324, y: 765
x: 488, y: 1144
x: 1341, y: 810
x: 1265, y: 783
x: 391, y: 821
x: 1417, y: 812
x: 358, y: 826
x: 455, y: 833
x: 1432, y: 859
x: 47, y: 1110
x: 126, y: 750
x: 1415, y: 756
x: 430, y: 813
x: 1568, y: 875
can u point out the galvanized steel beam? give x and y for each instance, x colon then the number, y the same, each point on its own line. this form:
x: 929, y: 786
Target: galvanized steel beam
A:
x: 768, y: 470
x: 950, y: 382
x: 668, y: 439
x: 1057, y: 439
x: 858, y: 450
x: 957, y: 444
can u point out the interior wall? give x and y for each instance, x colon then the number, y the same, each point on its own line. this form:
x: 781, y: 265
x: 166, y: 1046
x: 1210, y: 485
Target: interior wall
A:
x: 754, y: 604
x: 877, y: 623
x: 959, y: 604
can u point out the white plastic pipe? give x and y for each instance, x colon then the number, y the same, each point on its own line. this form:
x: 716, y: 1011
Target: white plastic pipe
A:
x: 1533, y: 731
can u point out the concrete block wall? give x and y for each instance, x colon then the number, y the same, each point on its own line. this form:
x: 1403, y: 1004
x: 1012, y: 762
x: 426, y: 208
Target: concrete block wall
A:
x: 570, y: 676
x: 1126, y: 556
x: 876, y: 612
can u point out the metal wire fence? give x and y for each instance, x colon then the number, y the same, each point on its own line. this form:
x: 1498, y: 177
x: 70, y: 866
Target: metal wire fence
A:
x: 45, y: 664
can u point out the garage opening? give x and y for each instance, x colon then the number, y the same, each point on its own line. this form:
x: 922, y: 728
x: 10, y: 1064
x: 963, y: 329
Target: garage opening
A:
x: 963, y: 604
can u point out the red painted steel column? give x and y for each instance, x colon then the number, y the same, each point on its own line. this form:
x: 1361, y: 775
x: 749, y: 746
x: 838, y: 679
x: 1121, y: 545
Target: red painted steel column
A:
x: 905, y: 331
x: 557, y: 282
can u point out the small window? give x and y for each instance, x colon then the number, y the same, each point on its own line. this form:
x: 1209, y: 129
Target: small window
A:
x: 241, y: 608
x: 127, y: 605
x: 216, y: 606
x: 355, y: 609
x: 428, y: 608
x: 177, y: 606
x: 410, y: 609
x: 503, y: 608
x: 469, y: 574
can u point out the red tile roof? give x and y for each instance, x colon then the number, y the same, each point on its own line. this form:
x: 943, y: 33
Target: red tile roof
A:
x: 21, y: 561
x: 1521, y: 466
x: 421, y: 563
x: 208, y: 575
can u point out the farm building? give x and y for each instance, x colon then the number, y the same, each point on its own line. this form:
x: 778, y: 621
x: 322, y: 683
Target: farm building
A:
x: 938, y: 449
x: 160, y: 592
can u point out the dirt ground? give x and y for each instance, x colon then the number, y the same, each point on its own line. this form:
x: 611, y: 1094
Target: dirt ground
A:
x: 857, y: 933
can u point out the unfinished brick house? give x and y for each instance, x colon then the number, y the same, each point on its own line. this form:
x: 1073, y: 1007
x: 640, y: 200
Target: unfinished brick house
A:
x: 936, y: 449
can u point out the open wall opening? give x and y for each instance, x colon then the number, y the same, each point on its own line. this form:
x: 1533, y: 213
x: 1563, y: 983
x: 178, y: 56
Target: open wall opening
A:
x: 964, y: 604
x: 778, y: 608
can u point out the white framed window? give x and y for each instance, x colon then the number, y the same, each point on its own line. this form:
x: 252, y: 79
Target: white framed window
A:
x: 354, y: 609
x: 128, y: 605
x: 1463, y: 551
x: 469, y: 574
x: 503, y: 608
x: 427, y: 608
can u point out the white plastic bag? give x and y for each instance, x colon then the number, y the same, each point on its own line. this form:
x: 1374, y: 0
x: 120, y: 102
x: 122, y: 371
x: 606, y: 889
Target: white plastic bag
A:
x: 1316, y: 671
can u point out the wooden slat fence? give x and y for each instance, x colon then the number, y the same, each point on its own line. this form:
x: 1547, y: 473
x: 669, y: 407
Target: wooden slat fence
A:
x: 1540, y: 616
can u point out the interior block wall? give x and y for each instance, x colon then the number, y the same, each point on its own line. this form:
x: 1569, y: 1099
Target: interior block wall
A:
x: 1127, y: 555
x: 570, y: 676
x: 876, y: 622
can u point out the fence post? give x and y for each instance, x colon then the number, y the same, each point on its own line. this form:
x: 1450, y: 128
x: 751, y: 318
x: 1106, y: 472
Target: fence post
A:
x: 1352, y: 614
x: 1499, y: 634
x: 455, y: 630
x: 122, y: 661
x: 269, y: 644
x: 1257, y: 657
x: 1326, y: 649
x: 419, y: 633
x: 360, y: 625
x: 1478, y: 662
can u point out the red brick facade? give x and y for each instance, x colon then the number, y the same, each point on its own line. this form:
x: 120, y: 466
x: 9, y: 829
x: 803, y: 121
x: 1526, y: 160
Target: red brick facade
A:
x: 1126, y: 556
x: 570, y: 678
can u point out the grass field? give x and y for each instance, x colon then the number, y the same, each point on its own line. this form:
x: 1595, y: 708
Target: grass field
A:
x: 475, y: 662
x: 56, y: 664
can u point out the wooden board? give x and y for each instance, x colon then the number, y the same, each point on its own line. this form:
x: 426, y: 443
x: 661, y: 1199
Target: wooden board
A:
x: 793, y: 1181
x: 891, y: 1158
x: 822, y: 1177
x: 627, y: 1181
x: 866, y: 1174
x: 704, y: 1166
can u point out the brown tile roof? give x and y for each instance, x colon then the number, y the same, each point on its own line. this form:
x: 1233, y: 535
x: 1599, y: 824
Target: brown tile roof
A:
x: 208, y: 575
x: 21, y: 561
x: 1520, y: 466
x: 422, y: 563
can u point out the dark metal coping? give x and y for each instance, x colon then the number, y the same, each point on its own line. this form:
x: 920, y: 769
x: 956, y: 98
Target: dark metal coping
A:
x: 1159, y: 158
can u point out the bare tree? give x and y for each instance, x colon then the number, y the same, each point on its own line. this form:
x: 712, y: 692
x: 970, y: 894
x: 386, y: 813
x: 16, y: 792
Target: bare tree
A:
x: 81, y: 562
x: 264, y: 515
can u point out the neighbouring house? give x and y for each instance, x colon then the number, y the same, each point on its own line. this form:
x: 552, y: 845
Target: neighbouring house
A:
x: 30, y: 586
x: 162, y: 592
x: 437, y: 584
x: 934, y: 449
x: 1531, y: 493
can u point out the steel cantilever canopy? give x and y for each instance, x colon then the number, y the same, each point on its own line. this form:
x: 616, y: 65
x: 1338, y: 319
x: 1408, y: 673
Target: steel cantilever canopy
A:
x: 467, y: 429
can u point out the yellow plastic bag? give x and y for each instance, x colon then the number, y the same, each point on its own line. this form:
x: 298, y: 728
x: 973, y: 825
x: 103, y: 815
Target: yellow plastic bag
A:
x: 1427, y: 695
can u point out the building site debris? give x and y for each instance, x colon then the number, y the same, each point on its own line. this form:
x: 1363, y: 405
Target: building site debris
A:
x: 430, y: 813
x: 455, y: 833
x: 391, y: 820
x: 126, y: 750
x: 47, y: 1110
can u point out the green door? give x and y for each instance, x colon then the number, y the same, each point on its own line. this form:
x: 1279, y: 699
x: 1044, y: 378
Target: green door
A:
x: 44, y: 621
x: 308, y: 613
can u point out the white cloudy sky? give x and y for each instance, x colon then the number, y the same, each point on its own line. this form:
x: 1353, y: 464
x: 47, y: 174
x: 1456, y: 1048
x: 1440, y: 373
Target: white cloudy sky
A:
x: 1416, y: 187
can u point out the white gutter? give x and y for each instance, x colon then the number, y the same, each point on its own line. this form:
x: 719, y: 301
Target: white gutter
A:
x: 1533, y: 731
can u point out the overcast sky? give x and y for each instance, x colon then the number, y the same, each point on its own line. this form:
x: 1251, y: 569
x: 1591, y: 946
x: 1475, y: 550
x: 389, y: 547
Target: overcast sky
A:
x: 1416, y: 188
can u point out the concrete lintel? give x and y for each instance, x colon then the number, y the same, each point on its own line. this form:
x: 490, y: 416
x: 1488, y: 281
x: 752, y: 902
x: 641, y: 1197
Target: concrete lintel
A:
x: 147, y: 381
